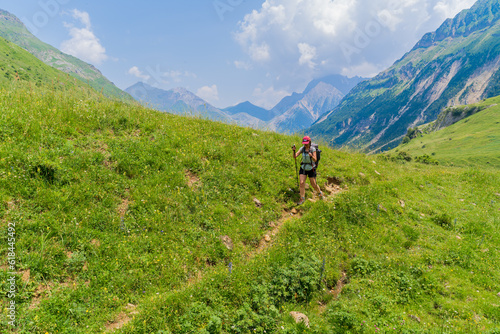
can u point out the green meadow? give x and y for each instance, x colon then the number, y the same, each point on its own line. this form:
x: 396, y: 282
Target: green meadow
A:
x: 473, y: 141
x: 130, y: 220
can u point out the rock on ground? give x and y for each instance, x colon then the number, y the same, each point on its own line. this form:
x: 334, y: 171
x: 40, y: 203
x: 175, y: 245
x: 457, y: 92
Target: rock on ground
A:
x: 300, y: 317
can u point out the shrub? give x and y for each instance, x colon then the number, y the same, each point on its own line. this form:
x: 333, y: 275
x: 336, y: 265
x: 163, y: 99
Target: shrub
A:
x: 343, y: 321
x: 401, y: 156
x: 362, y: 267
x: 200, y: 315
x: 298, y: 281
x: 426, y: 159
x: 381, y: 304
x: 249, y: 320
x: 76, y: 262
x: 405, y: 287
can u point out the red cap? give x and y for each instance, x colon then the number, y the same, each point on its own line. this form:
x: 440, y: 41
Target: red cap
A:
x: 306, y: 140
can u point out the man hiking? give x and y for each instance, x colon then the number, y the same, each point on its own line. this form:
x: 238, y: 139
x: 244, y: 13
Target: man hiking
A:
x: 307, y: 167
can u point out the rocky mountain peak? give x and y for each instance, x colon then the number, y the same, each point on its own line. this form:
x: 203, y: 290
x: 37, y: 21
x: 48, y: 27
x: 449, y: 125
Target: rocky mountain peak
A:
x: 5, y: 15
x: 481, y: 15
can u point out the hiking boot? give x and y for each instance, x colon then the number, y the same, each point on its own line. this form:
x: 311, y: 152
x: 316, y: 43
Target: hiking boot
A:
x: 321, y: 195
x: 302, y: 200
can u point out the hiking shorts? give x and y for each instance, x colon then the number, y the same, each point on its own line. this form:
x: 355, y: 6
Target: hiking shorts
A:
x: 309, y: 173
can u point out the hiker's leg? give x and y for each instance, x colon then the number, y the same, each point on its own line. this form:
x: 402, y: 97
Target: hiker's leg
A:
x: 314, y: 184
x: 303, y: 178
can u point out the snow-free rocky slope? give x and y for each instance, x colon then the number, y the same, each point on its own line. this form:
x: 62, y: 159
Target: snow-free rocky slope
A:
x: 459, y: 63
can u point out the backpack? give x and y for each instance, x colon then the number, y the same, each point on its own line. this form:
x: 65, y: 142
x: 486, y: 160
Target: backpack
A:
x: 318, y: 154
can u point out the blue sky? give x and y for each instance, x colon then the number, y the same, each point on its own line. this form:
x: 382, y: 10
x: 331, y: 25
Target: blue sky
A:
x: 230, y: 51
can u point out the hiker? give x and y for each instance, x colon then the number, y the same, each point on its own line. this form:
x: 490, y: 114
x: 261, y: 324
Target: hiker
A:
x: 307, y: 167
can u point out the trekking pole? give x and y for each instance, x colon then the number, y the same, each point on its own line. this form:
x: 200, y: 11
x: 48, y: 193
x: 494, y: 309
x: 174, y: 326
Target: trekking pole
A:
x: 296, y: 170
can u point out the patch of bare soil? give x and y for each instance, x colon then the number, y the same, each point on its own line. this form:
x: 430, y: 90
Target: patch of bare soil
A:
x: 123, y: 207
x: 193, y: 180
x: 26, y: 276
x: 122, y: 318
x: 41, y: 291
x: 343, y: 280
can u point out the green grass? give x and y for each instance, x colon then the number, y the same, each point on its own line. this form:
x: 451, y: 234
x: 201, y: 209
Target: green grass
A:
x: 105, y: 215
x: 13, y: 30
x: 473, y: 141
x: 18, y: 65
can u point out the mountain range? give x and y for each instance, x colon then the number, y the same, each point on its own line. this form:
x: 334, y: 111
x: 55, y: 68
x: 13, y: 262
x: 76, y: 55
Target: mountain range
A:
x: 293, y: 113
x: 179, y: 101
x: 457, y: 64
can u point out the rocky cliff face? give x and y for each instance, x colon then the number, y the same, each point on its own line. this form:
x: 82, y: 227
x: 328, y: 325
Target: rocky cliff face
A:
x: 457, y: 64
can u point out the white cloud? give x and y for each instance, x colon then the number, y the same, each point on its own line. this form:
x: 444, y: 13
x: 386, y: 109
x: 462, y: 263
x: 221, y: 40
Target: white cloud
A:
x: 389, y: 18
x: 83, y: 17
x: 331, y: 36
x: 307, y: 54
x: 177, y: 76
x: 268, y: 98
x: 83, y: 43
x: 365, y: 70
x: 138, y: 73
x: 209, y: 93
x: 259, y: 52
x: 242, y: 65
x: 158, y: 76
x: 450, y: 8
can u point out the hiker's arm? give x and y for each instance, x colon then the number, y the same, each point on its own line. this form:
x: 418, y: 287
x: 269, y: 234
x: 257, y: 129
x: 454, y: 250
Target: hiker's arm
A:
x: 296, y: 154
x: 313, y: 156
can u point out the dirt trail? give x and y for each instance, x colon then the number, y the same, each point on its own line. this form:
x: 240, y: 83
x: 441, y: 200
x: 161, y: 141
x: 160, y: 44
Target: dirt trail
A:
x: 343, y: 280
x: 268, y: 239
x: 331, y: 188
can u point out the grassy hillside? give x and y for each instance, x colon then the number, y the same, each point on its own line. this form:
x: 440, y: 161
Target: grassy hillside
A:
x: 123, y: 217
x: 12, y: 29
x: 18, y: 65
x: 473, y: 141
